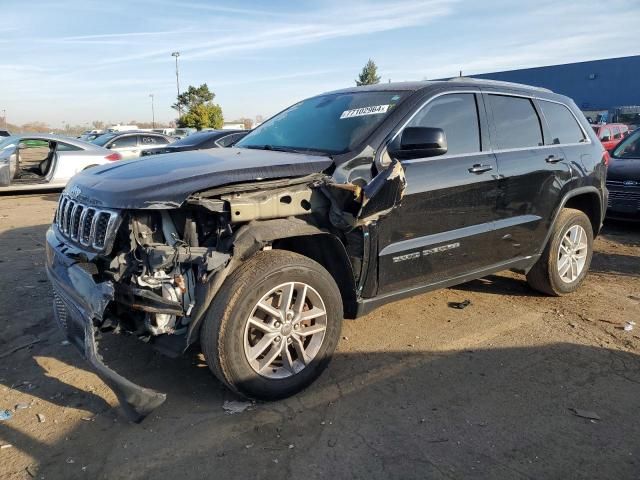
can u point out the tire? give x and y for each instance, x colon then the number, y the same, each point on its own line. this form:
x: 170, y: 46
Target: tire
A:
x: 545, y: 275
x: 226, y: 336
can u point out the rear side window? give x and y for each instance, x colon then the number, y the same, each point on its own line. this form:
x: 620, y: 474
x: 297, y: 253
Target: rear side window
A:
x: 616, y: 133
x: 146, y: 140
x: 230, y: 139
x: 516, y: 121
x: 563, y: 125
x: 124, y: 142
x: 605, y: 134
x: 457, y: 115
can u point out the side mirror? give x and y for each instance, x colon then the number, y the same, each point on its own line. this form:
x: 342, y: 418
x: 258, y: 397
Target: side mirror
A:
x: 22, y: 146
x: 420, y: 142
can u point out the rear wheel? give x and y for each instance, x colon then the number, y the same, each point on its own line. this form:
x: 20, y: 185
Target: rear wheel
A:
x: 567, y: 256
x: 273, y: 326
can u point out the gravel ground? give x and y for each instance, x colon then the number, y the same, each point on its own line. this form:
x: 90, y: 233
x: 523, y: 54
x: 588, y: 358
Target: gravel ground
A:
x: 416, y: 389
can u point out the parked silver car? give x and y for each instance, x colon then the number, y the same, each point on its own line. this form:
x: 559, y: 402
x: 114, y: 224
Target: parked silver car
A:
x: 131, y: 143
x: 40, y: 161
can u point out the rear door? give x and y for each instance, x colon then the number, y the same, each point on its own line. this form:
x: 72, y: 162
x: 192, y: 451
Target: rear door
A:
x: 532, y: 174
x: 444, y: 226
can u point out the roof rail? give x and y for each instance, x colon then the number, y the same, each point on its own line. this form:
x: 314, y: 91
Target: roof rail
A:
x: 498, y: 83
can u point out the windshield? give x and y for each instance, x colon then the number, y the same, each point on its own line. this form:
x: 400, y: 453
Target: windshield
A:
x: 334, y: 123
x: 103, y: 139
x: 630, y: 147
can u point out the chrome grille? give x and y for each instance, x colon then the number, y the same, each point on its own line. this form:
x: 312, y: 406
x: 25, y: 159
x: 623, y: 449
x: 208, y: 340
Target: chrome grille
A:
x: 85, y: 225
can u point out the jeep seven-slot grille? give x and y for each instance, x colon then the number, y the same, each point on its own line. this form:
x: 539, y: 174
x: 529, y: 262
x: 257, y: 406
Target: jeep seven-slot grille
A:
x: 87, y: 226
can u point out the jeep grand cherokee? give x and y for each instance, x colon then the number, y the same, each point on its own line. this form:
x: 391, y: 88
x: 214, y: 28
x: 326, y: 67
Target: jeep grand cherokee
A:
x: 338, y: 204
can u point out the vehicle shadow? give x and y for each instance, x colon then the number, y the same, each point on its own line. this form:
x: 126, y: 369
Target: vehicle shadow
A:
x: 482, y: 413
x: 458, y: 413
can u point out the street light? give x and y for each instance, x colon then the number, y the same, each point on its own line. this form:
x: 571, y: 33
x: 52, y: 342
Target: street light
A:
x: 153, y: 113
x: 177, y: 54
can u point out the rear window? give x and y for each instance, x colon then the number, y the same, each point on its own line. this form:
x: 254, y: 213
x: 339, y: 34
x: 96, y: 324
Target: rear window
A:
x: 563, y: 125
x: 516, y: 121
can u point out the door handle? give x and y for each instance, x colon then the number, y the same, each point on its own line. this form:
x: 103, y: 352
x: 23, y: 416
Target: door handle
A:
x: 553, y: 159
x: 478, y: 168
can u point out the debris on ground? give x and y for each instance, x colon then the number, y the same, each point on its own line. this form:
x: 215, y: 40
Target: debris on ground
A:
x: 585, y: 414
x: 20, y: 347
x: 5, y: 414
x: 41, y: 418
x: 233, y: 406
x: 5, y: 446
x: 21, y: 406
x: 628, y: 326
x: 460, y: 305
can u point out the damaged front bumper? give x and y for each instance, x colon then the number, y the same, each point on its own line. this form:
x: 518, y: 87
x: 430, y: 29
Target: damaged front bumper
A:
x: 79, y: 304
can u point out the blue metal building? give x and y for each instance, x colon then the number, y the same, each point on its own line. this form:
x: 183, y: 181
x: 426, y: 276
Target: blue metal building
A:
x: 594, y: 85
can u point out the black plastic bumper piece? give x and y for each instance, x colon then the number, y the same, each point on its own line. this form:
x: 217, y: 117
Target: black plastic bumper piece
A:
x: 78, y: 303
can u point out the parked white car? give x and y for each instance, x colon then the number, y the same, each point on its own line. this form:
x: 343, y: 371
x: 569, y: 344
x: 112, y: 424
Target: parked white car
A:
x: 44, y: 161
x: 130, y: 144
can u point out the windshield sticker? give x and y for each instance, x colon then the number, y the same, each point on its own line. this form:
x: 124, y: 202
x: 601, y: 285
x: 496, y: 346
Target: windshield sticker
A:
x: 360, y: 112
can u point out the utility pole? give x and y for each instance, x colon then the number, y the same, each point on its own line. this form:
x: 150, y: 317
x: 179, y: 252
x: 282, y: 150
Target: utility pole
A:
x: 4, y: 116
x: 153, y: 113
x: 177, y: 54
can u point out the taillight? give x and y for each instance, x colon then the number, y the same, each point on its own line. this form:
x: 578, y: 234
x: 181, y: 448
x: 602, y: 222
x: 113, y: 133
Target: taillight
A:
x: 113, y: 157
x: 606, y: 158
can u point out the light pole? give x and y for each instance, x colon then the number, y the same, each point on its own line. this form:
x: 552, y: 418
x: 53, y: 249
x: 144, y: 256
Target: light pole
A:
x: 177, y: 54
x: 4, y: 116
x: 153, y: 113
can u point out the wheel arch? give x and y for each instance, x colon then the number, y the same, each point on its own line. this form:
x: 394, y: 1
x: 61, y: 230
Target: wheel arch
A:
x: 586, y: 199
x: 292, y: 234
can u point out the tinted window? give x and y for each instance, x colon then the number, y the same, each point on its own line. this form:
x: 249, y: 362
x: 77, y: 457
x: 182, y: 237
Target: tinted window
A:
x: 516, y: 121
x: 152, y: 140
x: 457, y: 115
x: 65, y: 147
x: 103, y: 139
x: 563, y: 125
x: 334, y: 123
x: 124, y: 142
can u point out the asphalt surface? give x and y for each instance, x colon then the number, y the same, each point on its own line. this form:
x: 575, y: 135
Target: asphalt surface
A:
x: 417, y: 389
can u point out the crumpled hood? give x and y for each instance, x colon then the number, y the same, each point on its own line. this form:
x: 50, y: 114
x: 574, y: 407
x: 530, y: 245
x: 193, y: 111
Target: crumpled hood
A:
x: 165, y: 181
x: 624, y: 169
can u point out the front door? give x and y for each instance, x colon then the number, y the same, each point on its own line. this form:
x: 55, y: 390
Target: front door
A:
x: 443, y: 228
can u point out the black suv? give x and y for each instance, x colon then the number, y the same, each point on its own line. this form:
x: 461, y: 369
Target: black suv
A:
x: 337, y: 205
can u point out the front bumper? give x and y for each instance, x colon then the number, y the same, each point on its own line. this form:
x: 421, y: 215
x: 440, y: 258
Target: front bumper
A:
x: 79, y: 304
x: 624, y: 203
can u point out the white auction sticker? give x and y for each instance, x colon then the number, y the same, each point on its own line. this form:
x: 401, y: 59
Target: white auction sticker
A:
x: 359, y: 112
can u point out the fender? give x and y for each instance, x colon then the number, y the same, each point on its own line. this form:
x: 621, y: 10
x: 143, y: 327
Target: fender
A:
x: 248, y: 240
x: 573, y: 193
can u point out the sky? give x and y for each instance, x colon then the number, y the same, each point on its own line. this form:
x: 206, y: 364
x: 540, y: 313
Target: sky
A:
x: 75, y: 61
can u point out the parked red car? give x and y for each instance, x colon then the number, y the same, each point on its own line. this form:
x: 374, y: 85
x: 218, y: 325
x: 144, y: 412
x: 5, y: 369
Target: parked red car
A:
x: 610, y: 134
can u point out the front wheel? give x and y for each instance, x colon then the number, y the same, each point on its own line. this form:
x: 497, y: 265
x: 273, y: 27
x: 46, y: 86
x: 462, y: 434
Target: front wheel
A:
x: 274, y: 325
x: 567, y: 256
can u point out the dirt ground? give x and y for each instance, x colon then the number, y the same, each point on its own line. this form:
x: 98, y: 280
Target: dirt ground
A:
x: 416, y: 389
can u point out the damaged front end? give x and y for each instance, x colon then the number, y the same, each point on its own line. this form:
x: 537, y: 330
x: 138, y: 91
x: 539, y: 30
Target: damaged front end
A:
x: 154, y: 272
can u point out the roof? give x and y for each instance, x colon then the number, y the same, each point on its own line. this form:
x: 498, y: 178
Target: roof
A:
x: 457, y: 81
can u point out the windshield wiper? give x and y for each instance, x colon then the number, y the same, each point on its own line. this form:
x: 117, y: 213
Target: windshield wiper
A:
x: 279, y: 148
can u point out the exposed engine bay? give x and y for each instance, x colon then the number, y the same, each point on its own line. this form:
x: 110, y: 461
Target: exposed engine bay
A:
x: 167, y: 264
